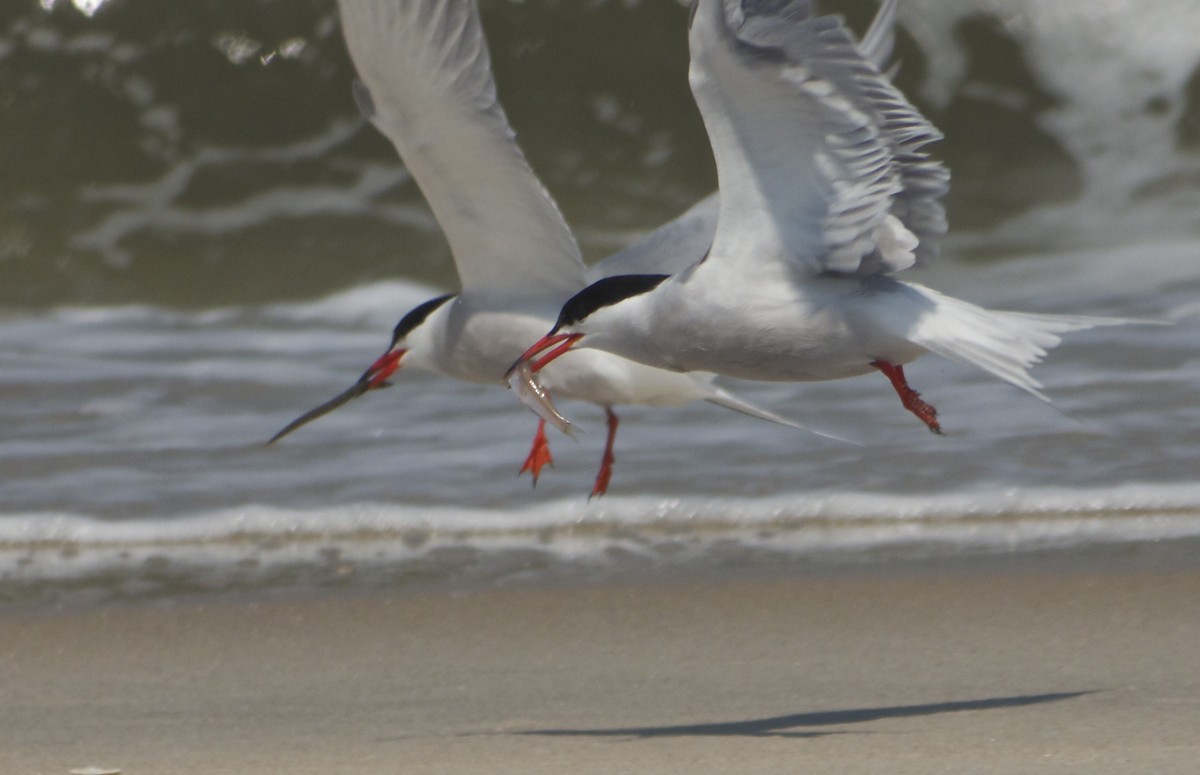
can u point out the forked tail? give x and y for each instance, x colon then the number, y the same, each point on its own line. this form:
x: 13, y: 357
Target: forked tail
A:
x: 1005, y: 344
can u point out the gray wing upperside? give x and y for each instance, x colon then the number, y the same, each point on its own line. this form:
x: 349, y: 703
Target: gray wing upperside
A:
x: 669, y: 249
x: 427, y: 85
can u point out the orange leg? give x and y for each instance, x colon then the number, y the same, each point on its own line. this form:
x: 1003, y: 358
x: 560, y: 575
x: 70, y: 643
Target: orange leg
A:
x: 910, y: 398
x: 607, y: 460
x: 539, y: 454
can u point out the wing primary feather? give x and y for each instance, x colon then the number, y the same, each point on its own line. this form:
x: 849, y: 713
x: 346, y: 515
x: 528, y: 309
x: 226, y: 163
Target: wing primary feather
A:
x: 824, y: 156
x: 880, y: 40
x: 362, y: 98
x: 425, y: 66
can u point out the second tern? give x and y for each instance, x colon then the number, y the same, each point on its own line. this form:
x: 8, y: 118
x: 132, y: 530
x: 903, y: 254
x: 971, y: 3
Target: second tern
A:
x: 826, y: 192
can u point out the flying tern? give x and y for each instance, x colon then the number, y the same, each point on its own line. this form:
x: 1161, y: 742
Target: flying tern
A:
x: 826, y: 192
x: 426, y: 84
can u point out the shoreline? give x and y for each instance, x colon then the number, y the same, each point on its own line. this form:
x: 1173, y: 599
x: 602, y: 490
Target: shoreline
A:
x: 76, y: 577
x: 992, y: 668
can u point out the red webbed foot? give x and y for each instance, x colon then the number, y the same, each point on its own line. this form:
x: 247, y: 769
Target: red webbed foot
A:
x: 539, y: 454
x: 910, y: 398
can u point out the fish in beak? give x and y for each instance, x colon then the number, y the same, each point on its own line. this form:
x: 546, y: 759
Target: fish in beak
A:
x: 535, y: 397
x: 561, y: 344
x: 519, y: 377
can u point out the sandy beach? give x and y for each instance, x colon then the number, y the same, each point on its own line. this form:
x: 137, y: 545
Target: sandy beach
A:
x: 981, y: 671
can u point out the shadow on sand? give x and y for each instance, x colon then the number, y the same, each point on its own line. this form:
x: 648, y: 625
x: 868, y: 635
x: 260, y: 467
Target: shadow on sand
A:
x: 785, y: 726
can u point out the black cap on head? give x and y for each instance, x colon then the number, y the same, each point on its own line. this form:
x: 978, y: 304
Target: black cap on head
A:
x: 417, y: 315
x: 604, y: 293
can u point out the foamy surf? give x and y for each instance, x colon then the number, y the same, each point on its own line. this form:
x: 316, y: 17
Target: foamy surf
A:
x: 269, y: 549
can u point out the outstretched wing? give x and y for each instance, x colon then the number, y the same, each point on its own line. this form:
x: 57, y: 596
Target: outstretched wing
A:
x: 925, y: 181
x: 685, y: 240
x: 426, y: 83
x: 819, y: 157
x: 670, y: 248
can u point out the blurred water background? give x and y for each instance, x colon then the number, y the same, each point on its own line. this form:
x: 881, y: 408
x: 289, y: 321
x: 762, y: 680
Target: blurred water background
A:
x: 200, y: 238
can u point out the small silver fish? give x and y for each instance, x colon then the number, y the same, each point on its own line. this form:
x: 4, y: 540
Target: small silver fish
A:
x: 537, y: 399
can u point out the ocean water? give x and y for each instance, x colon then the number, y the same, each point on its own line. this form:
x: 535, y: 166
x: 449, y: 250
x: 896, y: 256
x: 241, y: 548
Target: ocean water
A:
x: 200, y: 239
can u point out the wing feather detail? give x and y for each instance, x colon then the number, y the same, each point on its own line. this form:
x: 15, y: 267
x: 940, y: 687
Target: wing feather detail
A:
x: 669, y: 249
x: 427, y: 85
x: 820, y: 159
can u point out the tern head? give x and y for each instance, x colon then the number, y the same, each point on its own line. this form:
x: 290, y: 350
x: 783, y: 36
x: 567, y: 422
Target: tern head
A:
x: 579, y: 313
x: 377, y: 374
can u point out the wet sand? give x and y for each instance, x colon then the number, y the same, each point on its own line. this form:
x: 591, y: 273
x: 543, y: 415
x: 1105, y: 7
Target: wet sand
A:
x: 996, y: 671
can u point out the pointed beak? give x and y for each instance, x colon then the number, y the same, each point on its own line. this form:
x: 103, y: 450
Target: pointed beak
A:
x: 374, y: 377
x: 561, y: 344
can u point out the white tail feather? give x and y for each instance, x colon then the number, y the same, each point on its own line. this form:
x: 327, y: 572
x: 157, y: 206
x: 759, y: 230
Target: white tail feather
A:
x: 1005, y: 344
x: 730, y: 401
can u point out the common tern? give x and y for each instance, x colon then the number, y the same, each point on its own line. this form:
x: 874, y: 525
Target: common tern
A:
x: 826, y: 192
x: 426, y: 84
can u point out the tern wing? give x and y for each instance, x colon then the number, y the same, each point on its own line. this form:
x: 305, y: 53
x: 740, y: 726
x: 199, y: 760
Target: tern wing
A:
x: 670, y: 248
x: 819, y: 157
x: 426, y: 83
x: 925, y: 181
x: 676, y: 245
x: 880, y: 41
